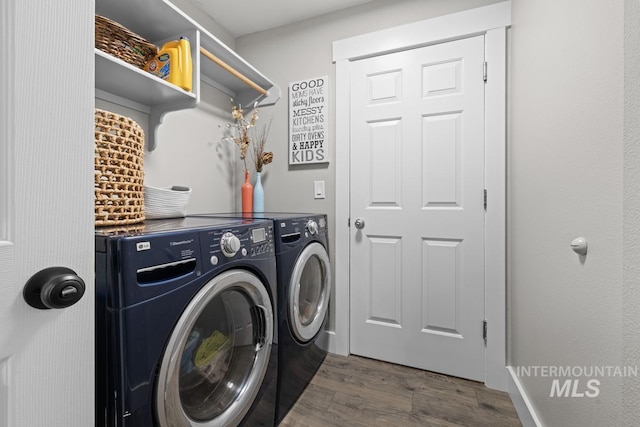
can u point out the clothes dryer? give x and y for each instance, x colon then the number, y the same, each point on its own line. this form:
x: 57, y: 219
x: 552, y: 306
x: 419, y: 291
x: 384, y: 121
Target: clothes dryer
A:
x: 186, y: 326
x: 304, y: 289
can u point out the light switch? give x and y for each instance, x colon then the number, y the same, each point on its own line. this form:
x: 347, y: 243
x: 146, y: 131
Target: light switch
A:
x: 318, y: 189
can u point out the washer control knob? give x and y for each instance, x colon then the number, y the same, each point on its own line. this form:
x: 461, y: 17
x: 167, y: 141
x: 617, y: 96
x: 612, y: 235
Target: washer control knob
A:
x: 229, y: 244
x: 312, y: 226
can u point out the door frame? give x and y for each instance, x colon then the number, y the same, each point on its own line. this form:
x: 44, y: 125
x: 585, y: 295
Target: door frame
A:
x: 492, y: 22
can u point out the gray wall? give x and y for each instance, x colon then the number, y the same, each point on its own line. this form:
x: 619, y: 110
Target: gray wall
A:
x: 631, y: 211
x: 191, y: 8
x: 565, y: 175
x: 565, y: 181
x: 304, y: 50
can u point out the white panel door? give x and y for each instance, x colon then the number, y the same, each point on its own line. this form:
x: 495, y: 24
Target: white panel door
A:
x: 46, y: 209
x: 417, y: 209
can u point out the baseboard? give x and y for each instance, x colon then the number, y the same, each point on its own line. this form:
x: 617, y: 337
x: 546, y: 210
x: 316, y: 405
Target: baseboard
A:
x: 326, y: 341
x: 521, y: 402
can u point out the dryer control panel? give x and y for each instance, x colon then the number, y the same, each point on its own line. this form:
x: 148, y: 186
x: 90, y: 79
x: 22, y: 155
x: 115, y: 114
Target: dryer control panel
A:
x: 292, y: 230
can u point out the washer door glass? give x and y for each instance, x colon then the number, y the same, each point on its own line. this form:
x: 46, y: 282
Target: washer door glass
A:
x: 309, y: 292
x: 217, y: 355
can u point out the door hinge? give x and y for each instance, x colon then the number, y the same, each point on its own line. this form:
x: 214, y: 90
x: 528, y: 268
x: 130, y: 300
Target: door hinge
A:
x: 484, y: 330
x: 485, y: 199
x: 484, y: 71
x: 349, y: 222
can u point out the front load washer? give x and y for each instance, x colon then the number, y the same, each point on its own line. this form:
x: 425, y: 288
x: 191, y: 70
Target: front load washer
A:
x: 304, y: 288
x: 185, y: 322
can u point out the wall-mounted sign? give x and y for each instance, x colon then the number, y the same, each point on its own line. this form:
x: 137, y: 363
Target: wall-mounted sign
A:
x: 309, y: 121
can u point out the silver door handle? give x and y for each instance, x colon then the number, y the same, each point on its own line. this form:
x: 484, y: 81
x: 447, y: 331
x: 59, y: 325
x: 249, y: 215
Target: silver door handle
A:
x: 359, y: 223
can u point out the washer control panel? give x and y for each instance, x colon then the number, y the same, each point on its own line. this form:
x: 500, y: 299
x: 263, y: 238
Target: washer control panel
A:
x: 162, y: 254
x: 229, y: 244
x: 243, y: 241
x: 312, y: 227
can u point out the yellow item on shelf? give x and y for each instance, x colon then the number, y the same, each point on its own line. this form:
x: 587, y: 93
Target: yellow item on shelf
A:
x: 173, y: 64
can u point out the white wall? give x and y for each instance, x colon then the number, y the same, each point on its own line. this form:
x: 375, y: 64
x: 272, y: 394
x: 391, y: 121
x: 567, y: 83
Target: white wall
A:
x: 565, y: 181
x: 631, y: 212
x: 304, y: 50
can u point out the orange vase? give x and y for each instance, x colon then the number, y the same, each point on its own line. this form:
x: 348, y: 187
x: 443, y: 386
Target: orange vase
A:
x: 247, y: 194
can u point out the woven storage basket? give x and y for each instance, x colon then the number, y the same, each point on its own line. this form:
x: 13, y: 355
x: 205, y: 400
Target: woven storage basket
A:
x: 119, y: 173
x: 122, y: 43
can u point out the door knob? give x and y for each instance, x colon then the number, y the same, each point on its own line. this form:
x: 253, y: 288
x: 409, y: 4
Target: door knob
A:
x: 359, y: 223
x: 53, y: 287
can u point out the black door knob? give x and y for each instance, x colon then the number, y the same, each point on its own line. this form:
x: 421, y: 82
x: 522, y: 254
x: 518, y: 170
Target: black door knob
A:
x: 53, y: 287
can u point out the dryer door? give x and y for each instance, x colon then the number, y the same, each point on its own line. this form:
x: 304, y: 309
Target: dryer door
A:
x: 309, y: 292
x: 218, y: 353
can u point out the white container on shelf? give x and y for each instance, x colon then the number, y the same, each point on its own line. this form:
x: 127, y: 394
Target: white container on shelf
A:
x: 166, y: 202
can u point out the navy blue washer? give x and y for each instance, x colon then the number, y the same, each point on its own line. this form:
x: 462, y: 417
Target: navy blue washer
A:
x: 185, y: 323
x: 304, y: 286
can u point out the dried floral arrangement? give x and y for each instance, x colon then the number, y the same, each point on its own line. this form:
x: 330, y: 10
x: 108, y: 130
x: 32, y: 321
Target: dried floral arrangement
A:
x: 249, y: 138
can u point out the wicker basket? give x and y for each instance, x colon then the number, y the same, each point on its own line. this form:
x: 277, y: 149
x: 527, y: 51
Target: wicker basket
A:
x: 119, y: 173
x: 118, y: 41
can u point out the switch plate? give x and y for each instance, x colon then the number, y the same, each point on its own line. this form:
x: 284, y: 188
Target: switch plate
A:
x: 318, y: 189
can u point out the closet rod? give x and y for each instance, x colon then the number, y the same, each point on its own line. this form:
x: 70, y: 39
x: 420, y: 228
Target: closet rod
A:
x: 233, y: 71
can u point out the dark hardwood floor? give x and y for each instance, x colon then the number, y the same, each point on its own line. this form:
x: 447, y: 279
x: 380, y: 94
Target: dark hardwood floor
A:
x: 355, y: 391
